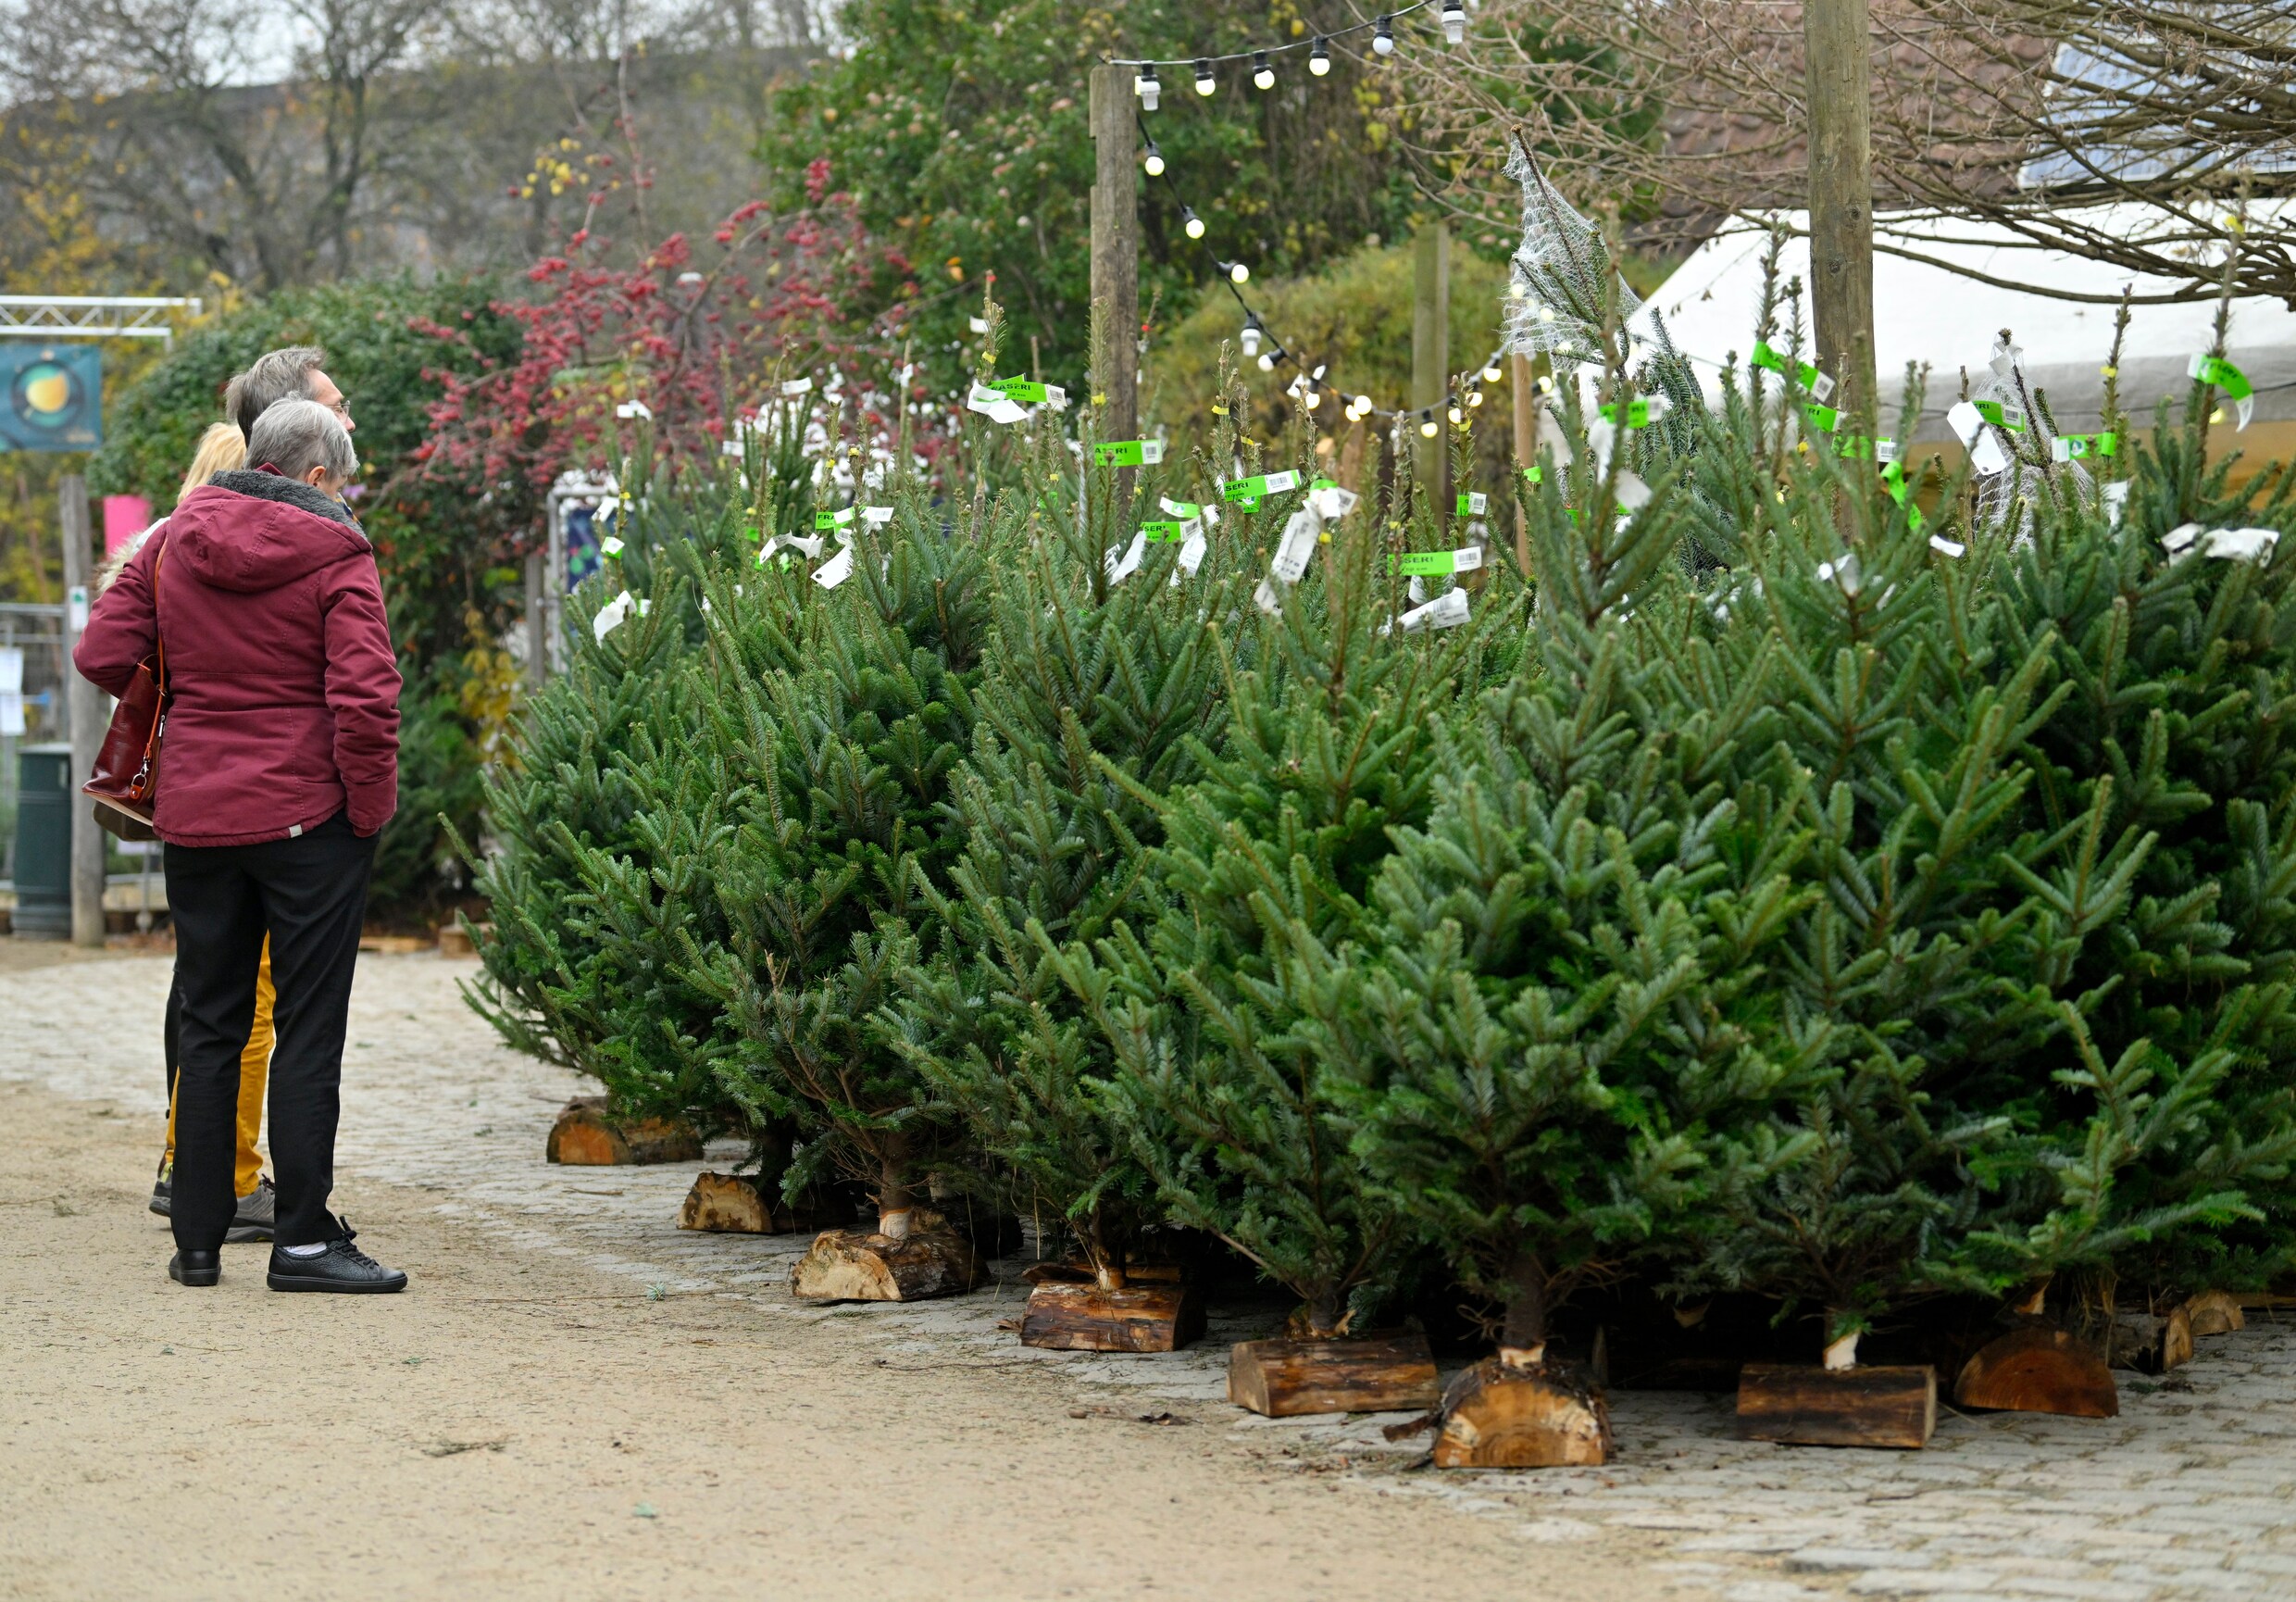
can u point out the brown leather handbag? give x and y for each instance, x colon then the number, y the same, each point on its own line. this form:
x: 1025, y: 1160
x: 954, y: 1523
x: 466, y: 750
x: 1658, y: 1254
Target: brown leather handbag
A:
x: 125, y: 786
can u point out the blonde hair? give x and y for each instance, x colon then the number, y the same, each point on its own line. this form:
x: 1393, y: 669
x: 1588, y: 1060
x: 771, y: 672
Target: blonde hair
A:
x: 222, y: 449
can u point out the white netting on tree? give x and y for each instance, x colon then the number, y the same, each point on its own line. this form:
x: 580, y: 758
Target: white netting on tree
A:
x: 1561, y: 273
x: 2006, y: 498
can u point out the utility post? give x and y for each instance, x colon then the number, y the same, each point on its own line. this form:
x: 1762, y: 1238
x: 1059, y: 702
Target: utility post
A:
x: 1837, y: 37
x: 83, y: 715
x: 1116, y: 260
x: 1520, y: 381
x: 1430, y: 359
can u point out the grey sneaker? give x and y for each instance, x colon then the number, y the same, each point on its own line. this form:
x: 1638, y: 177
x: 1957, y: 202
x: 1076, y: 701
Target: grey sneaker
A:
x: 258, y: 1212
x: 163, y: 1191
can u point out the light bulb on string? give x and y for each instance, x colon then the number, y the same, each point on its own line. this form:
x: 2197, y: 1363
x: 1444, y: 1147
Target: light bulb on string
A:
x: 1491, y: 373
x: 1454, y: 20
x: 1363, y: 406
x: 1427, y: 423
x: 1474, y: 398
x: 1237, y: 273
x: 1383, y: 41
x: 1190, y: 223
x: 1263, y: 75
x: 1269, y: 357
x: 1319, y: 56
x: 1205, y: 82
x: 1252, y: 334
x: 1313, y: 398
x: 1146, y: 87
x: 1155, y: 161
x: 1457, y: 416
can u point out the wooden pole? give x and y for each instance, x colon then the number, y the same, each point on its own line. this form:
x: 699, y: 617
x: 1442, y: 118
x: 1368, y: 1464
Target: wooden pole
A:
x: 1526, y: 445
x: 1430, y: 358
x: 83, y: 714
x: 1838, y: 39
x: 1115, y: 256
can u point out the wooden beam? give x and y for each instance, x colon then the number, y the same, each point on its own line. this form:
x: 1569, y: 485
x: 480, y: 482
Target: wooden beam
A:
x: 1836, y: 35
x: 1430, y: 358
x: 84, y: 712
x: 1116, y: 256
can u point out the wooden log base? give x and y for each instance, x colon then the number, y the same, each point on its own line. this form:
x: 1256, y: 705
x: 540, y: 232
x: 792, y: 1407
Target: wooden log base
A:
x: 585, y: 1135
x: 736, y: 1204
x: 455, y: 941
x: 1071, y: 1318
x: 1381, y: 1373
x: 1550, y: 1416
x: 1802, y: 1406
x: 2150, y: 1343
x: 2039, y: 1370
x: 2216, y: 1313
x: 848, y: 1266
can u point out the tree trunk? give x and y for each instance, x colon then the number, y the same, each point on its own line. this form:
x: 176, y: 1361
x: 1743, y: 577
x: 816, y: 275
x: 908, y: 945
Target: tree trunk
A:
x: 893, y: 1201
x: 1074, y: 1318
x: 1523, y: 1341
x: 2039, y: 1370
x: 1375, y: 1374
x: 1836, y: 35
x: 1856, y: 1406
x: 1501, y: 1416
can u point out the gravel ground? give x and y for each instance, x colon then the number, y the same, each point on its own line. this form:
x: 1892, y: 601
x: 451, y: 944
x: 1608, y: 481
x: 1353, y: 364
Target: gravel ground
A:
x: 2186, y: 1495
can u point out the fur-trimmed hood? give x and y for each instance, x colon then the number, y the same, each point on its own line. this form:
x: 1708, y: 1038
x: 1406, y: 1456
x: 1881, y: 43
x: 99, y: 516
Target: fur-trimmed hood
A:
x: 252, y: 531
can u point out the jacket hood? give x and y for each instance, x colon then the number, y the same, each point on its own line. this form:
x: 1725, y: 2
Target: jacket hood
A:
x: 254, y: 532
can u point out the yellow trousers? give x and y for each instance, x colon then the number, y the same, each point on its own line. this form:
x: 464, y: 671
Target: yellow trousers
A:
x: 254, y: 1072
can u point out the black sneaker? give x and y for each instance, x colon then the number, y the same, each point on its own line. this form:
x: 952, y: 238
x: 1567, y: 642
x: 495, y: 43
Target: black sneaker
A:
x: 163, y: 1190
x: 258, y: 1212
x: 195, y: 1268
x: 342, y: 1268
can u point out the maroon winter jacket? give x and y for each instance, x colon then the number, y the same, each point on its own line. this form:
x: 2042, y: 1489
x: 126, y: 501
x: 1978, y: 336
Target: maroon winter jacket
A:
x: 285, y: 704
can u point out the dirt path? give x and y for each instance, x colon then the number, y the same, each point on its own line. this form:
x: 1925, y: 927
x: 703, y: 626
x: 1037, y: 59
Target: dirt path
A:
x: 524, y: 1423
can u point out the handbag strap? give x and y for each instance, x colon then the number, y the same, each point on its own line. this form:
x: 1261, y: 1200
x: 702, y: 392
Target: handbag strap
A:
x: 159, y: 635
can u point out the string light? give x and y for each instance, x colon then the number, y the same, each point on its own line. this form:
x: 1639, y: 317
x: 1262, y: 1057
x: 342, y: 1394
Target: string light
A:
x: 1269, y: 357
x: 1491, y: 373
x: 1383, y: 41
x: 1457, y: 416
x: 1155, y: 161
x: 1263, y: 75
x: 1427, y: 422
x: 1252, y: 334
x: 1474, y: 398
x: 1237, y: 273
x: 1146, y: 86
x: 1454, y: 21
x: 1319, y: 56
x: 1205, y: 82
x: 1190, y: 224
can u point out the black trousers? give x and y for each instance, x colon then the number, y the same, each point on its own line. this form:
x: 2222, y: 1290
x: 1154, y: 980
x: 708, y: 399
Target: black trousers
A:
x: 309, y: 894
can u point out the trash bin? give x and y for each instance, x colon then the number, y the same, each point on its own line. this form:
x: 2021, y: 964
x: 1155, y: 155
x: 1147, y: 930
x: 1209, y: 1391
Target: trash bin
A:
x: 44, y: 826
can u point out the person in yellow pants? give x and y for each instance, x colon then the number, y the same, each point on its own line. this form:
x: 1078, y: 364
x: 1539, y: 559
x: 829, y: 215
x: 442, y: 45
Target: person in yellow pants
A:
x: 252, y: 1219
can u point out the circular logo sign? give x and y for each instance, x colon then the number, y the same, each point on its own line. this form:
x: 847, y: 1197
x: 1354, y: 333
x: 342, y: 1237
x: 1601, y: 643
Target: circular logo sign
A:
x: 46, y: 395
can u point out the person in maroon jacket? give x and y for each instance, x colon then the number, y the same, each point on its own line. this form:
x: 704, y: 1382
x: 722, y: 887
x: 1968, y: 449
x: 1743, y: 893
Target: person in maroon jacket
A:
x: 278, y: 767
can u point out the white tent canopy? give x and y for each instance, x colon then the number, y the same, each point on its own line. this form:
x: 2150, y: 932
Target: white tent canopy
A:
x: 1942, y: 314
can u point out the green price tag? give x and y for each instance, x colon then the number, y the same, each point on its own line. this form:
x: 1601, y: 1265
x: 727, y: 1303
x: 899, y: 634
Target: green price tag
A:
x: 832, y: 519
x: 1641, y: 411
x: 1816, y: 382
x: 2079, y: 447
x: 1248, y: 491
x: 1165, y: 530
x: 1825, y: 418
x: 1473, y: 504
x: 1893, y: 476
x: 1031, y: 392
x: 2010, y: 417
x: 2215, y: 370
x: 1535, y: 475
x: 1436, y: 564
x: 1129, y: 452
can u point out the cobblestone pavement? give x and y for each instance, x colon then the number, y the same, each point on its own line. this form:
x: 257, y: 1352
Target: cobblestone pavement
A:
x: 2191, y: 1493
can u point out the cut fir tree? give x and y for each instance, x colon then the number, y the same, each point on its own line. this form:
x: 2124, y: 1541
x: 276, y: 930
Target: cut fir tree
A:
x: 1220, y: 1087
x: 1104, y: 686
x: 853, y: 750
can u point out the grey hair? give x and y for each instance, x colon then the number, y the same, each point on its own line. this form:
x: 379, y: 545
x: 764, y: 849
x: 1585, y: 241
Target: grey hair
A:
x: 276, y: 375
x: 296, y: 435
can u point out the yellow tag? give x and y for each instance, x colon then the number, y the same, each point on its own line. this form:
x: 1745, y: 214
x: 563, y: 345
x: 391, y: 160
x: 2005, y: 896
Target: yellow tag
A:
x: 1100, y: 400
x: 1218, y: 410
x: 2110, y: 372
